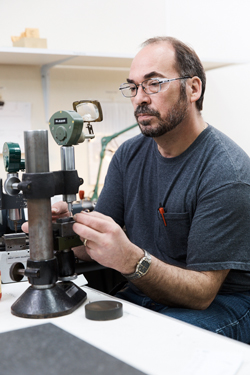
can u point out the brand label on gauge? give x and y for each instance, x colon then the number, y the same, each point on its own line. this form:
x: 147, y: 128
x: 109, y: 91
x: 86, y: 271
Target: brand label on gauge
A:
x: 59, y: 121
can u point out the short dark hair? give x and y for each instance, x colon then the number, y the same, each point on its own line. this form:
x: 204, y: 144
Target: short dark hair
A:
x: 187, y: 62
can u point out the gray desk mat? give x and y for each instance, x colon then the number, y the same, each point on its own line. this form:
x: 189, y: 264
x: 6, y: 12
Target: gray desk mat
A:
x: 46, y: 349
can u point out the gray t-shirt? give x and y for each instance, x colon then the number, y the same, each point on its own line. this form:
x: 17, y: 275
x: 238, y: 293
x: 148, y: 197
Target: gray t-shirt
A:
x: 205, y: 194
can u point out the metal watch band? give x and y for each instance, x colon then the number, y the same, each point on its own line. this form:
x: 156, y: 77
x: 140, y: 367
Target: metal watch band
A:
x: 142, y: 267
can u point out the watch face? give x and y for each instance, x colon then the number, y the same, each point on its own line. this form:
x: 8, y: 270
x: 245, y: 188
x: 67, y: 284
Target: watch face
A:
x: 143, y: 267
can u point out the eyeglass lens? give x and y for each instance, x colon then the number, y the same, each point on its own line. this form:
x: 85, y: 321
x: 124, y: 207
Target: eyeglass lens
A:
x: 150, y: 86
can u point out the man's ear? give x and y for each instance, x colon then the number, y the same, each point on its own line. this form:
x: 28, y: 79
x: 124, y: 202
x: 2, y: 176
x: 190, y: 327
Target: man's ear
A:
x: 195, y: 86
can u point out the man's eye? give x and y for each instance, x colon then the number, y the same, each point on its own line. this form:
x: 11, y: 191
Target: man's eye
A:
x: 154, y: 83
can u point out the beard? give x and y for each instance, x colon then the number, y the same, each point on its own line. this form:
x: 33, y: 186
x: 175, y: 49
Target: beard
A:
x: 174, y: 117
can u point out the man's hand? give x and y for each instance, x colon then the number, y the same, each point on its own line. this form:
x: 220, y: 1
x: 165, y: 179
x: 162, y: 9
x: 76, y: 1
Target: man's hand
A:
x: 106, y: 242
x: 59, y: 209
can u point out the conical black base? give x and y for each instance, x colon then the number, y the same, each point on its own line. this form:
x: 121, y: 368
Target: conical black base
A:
x: 62, y: 299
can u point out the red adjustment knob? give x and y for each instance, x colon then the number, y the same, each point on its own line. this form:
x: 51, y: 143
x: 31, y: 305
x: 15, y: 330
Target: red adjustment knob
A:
x: 81, y: 194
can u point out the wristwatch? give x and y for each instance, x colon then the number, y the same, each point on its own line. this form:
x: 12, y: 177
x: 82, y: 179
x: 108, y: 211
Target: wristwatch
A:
x: 142, y: 267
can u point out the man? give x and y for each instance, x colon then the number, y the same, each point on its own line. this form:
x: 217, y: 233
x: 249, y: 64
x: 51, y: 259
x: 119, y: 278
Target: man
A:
x: 182, y: 190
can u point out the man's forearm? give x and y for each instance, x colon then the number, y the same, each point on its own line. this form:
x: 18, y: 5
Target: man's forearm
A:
x: 174, y: 286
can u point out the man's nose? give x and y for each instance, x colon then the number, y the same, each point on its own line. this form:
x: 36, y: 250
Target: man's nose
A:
x: 141, y: 96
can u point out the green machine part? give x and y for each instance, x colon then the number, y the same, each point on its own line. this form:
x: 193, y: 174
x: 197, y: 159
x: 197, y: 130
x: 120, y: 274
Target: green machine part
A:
x: 12, y: 157
x: 66, y: 127
x: 104, y: 141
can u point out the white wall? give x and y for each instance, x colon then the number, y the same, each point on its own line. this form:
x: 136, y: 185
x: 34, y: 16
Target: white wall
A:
x: 226, y: 103
x: 217, y: 29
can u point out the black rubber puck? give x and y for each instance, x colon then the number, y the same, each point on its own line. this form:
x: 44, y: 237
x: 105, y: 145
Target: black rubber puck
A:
x: 103, y: 310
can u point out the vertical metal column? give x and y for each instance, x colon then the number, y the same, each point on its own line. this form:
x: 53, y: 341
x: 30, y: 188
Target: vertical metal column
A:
x: 68, y: 164
x: 39, y: 210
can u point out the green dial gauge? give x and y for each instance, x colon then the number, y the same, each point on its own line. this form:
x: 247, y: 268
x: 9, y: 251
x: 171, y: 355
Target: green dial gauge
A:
x: 66, y: 127
x: 12, y: 157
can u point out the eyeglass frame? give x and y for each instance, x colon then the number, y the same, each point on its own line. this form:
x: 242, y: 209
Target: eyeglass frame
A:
x: 160, y: 80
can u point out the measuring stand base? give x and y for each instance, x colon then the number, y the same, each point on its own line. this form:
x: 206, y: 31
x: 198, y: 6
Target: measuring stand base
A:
x: 61, y: 299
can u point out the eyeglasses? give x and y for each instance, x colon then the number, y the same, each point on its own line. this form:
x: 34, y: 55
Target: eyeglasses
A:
x: 149, y: 86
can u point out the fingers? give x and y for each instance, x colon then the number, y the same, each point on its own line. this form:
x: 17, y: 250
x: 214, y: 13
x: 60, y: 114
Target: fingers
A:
x: 86, y: 232
x: 99, y: 222
x: 25, y: 227
x: 80, y: 252
x: 96, y: 228
x: 59, y: 209
x: 99, y: 215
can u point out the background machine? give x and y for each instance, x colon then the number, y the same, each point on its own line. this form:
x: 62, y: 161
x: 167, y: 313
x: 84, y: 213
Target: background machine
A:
x: 13, y: 242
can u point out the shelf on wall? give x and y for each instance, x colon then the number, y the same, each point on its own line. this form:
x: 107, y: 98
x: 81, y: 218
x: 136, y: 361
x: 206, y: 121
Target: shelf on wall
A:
x: 37, y: 56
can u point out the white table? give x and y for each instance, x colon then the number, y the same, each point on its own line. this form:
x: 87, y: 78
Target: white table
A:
x: 144, y: 339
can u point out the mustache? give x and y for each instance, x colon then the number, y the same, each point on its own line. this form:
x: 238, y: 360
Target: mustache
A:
x: 141, y: 109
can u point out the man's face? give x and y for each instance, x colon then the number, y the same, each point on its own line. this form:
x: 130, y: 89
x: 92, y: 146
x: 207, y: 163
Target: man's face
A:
x: 158, y: 113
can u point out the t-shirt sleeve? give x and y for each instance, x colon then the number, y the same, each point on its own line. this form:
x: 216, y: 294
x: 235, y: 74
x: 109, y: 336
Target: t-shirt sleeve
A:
x: 219, y: 236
